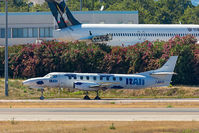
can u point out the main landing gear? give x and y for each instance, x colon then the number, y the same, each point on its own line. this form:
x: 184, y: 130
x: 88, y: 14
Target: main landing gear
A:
x: 86, y: 97
x: 42, y: 94
x: 97, y: 97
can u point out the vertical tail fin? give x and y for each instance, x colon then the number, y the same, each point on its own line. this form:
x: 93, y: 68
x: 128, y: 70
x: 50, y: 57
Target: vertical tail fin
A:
x: 164, y: 74
x: 61, y: 13
x: 169, y: 65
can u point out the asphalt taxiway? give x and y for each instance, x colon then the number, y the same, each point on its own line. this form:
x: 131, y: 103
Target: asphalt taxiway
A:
x: 115, y: 100
x: 99, y: 114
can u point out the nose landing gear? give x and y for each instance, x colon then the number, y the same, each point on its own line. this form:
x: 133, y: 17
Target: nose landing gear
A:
x: 42, y: 96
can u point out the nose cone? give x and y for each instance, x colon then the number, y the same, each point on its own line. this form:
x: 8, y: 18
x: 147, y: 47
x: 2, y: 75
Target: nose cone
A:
x: 28, y: 82
x: 36, y: 82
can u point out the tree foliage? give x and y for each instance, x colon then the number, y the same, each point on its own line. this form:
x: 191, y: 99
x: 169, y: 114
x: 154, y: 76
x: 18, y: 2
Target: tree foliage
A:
x: 150, y: 11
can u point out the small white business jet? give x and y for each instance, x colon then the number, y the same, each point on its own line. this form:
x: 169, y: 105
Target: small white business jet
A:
x: 95, y: 81
x: 71, y: 30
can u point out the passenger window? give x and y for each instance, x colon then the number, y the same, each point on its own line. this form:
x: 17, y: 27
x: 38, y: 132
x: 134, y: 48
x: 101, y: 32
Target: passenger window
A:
x: 75, y: 77
x: 81, y: 77
x: 107, y: 78
x: 94, y: 78
x: 87, y: 77
x: 101, y: 78
x: 114, y: 78
x: 69, y: 77
x: 120, y: 78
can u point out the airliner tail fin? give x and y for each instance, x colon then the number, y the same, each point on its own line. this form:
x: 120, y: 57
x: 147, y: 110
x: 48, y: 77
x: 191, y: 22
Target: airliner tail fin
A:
x: 61, y: 13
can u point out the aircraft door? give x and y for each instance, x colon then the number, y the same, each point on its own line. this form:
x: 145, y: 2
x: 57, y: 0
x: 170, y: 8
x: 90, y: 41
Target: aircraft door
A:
x: 61, y: 83
x: 143, y: 36
x: 54, y: 81
x: 139, y: 35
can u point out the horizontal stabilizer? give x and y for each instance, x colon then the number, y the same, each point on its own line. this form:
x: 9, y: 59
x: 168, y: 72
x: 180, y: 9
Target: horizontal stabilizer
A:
x: 163, y: 73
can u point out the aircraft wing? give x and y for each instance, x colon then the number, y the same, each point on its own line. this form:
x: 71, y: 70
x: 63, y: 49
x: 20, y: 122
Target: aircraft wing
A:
x: 107, y: 84
x: 93, y: 85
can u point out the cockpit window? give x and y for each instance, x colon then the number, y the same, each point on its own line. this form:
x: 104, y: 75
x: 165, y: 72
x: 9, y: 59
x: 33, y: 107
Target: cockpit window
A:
x: 54, y: 76
x: 48, y: 76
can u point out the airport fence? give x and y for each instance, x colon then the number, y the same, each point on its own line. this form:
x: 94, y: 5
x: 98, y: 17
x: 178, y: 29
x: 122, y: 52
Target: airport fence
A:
x: 27, y: 61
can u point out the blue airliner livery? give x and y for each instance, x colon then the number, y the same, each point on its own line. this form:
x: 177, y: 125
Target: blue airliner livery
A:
x: 71, y: 30
x: 96, y: 81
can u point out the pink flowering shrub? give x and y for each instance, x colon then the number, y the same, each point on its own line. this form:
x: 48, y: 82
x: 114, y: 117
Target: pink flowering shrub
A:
x: 37, y: 60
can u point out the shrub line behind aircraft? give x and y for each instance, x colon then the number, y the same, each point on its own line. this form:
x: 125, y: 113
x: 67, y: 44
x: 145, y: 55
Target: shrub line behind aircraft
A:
x: 96, y: 81
x: 70, y: 29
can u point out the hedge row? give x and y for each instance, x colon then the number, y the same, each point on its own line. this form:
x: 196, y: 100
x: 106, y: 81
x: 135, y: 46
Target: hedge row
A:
x: 27, y: 61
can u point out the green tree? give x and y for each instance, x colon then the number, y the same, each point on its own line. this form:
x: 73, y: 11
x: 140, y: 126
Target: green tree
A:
x: 191, y: 16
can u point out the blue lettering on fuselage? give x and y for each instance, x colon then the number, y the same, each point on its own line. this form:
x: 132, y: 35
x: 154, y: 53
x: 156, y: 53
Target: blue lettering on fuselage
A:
x: 135, y: 81
x: 53, y: 81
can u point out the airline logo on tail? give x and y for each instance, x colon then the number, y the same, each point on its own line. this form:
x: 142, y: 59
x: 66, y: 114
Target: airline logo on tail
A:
x: 61, y: 13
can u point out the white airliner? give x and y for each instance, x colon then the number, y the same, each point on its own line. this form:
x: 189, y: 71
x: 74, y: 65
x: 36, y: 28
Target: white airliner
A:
x: 95, y: 81
x: 113, y: 34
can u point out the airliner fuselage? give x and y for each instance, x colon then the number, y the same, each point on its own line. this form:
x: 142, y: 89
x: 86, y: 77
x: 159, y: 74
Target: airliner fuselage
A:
x: 124, y: 34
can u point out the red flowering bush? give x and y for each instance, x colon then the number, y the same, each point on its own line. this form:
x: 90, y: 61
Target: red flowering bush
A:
x: 38, y: 60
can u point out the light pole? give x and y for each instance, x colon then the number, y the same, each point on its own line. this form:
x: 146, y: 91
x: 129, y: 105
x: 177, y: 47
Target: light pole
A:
x: 80, y: 5
x: 6, y: 49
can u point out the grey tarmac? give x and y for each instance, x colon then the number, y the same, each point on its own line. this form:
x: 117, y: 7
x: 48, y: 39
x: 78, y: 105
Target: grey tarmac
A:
x: 99, y: 114
x: 115, y: 100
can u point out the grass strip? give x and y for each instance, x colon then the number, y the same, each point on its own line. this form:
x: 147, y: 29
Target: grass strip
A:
x: 99, y: 127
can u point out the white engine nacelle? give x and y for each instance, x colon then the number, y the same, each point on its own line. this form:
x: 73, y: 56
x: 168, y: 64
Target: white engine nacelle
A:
x: 86, y: 86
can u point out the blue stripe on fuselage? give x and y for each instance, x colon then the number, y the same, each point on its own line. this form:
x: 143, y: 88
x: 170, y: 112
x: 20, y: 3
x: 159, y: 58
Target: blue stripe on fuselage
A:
x: 135, y: 81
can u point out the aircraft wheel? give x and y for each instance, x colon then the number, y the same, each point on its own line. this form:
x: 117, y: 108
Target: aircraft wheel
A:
x: 97, y: 98
x: 42, y: 98
x: 86, y: 97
